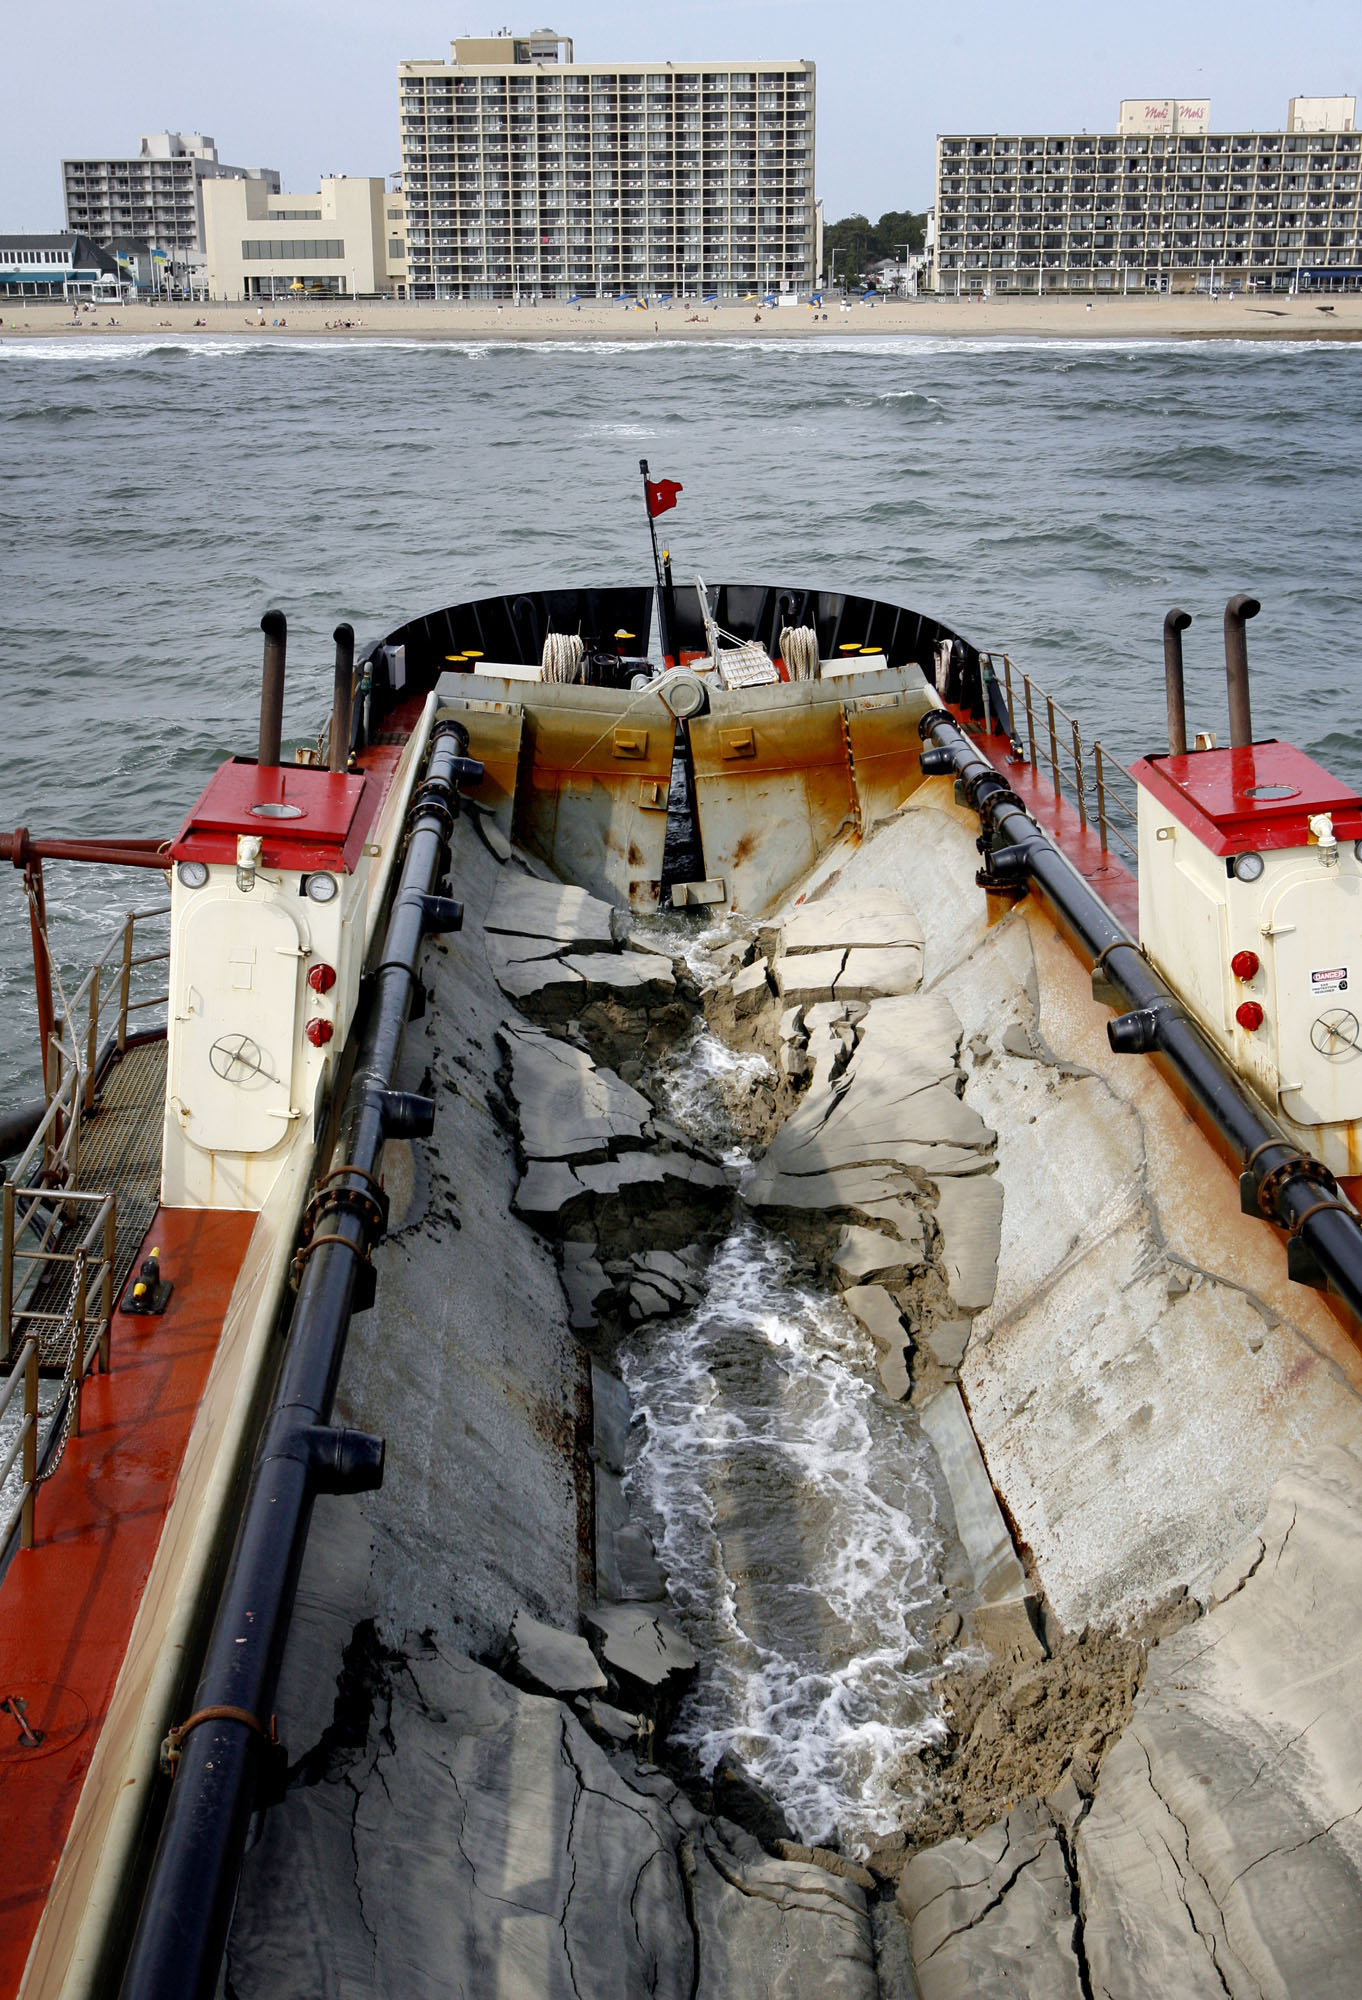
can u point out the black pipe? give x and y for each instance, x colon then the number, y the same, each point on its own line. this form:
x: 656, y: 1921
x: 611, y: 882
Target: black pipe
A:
x: 18, y: 1126
x: 1237, y: 614
x: 341, y: 694
x: 187, y: 1908
x: 1279, y: 1181
x: 274, y: 625
x: 1174, y: 625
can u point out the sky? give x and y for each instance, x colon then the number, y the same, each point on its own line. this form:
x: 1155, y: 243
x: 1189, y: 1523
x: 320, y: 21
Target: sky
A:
x: 310, y: 86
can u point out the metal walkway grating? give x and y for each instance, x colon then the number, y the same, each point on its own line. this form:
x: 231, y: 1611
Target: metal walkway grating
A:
x: 120, y: 1150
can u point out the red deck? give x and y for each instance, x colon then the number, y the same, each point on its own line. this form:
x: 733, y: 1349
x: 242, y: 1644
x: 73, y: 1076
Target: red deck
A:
x: 67, y: 1605
x: 1105, y: 875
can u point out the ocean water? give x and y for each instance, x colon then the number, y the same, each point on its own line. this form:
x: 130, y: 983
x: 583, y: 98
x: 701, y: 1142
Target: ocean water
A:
x: 1052, y: 498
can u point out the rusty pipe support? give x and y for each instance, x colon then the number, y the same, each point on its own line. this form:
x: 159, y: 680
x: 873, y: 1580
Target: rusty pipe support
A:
x: 274, y: 625
x: 341, y: 696
x: 1174, y: 625
x: 1237, y: 614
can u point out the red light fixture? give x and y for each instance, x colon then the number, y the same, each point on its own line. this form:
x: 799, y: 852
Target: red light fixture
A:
x: 319, y: 1033
x: 323, y: 977
x: 1249, y: 1015
x: 1244, y: 964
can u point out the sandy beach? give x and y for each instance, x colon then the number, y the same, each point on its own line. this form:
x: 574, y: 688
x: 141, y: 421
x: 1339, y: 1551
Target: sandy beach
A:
x: 1145, y: 318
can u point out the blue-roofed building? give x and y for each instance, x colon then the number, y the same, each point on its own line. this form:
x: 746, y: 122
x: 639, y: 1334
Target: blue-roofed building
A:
x: 66, y: 266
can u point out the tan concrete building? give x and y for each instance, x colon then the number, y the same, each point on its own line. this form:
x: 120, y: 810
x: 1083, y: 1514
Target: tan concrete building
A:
x: 154, y: 197
x: 1162, y: 204
x: 525, y: 173
x: 280, y: 246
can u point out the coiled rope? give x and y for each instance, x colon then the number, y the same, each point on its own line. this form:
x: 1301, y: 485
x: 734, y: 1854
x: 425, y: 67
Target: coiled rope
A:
x: 799, y: 650
x: 562, y: 657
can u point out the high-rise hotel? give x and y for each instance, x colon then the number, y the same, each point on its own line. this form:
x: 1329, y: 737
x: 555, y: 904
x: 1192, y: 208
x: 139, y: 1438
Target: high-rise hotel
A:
x: 1163, y: 203
x: 525, y: 173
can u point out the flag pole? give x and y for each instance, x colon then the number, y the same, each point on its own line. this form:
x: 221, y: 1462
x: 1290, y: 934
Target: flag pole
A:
x: 657, y: 570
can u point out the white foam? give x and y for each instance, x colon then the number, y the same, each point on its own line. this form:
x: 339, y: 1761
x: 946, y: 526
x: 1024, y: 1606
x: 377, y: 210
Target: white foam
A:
x: 794, y: 1514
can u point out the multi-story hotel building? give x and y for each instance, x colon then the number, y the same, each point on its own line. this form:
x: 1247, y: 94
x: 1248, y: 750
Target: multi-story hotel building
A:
x: 1163, y: 203
x: 156, y: 197
x: 526, y: 173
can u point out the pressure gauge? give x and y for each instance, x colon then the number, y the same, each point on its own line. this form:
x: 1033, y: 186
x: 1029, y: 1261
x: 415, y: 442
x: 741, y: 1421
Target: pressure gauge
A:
x: 321, y: 888
x: 193, y: 874
x: 1248, y: 867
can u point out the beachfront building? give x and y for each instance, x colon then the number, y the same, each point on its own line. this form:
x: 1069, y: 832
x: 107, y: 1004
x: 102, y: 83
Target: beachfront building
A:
x: 66, y: 266
x: 263, y: 245
x: 155, y: 197
x: 1161, y: 204
x: 526, y: 174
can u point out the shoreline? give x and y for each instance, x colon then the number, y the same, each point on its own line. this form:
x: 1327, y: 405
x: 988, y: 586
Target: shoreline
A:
x: 1180, y: 318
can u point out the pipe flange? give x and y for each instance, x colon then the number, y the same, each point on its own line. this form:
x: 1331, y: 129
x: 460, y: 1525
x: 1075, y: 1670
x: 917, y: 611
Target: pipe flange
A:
x: 1300, y: 1167
x: 989, y: 808
x: 368, y: 1204
x: 432, y: 796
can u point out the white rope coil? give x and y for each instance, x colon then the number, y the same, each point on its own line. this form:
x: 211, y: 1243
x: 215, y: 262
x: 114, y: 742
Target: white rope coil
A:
x: 799, y: 650
x: 562, y: 657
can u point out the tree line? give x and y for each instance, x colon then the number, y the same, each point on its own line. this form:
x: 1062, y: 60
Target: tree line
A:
x: 860, y: 242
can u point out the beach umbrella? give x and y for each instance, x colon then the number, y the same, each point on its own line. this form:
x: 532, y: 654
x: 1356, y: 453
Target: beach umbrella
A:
x: 711, y: 298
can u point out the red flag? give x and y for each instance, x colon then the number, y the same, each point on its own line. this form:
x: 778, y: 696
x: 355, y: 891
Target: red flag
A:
x: 661, y: 495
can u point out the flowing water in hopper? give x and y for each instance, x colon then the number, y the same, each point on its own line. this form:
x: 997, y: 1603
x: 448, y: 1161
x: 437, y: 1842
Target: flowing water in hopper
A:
x: 793, y: 1510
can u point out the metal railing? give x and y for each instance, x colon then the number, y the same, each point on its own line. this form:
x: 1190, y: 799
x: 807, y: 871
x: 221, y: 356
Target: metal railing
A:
x: 1093, y: 781
x: 52, y: 1319
x: 112, y: 991
x: 58, y: 1241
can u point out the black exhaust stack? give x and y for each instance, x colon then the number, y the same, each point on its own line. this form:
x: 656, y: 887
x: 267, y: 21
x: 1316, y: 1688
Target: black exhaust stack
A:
x: 1174, y: 625
x: 274, y: 625
x: 1237, y: 614
x: 344, y: 636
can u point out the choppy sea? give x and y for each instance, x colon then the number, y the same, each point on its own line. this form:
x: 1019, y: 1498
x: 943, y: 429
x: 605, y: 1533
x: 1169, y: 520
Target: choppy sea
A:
x: 1049, y: 497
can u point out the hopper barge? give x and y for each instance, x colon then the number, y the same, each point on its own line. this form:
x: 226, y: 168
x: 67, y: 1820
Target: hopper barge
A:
x: 1065, y: 1104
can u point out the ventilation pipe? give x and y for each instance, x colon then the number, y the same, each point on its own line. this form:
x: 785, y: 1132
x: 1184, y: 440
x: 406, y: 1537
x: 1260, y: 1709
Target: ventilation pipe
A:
x: 1237, y: 614
x: 344, y: 636
x: 1174, y: 625
x: 274, y: 625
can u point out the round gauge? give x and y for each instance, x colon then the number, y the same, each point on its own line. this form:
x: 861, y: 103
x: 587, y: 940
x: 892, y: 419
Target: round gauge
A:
x: 236, y: 1058
x: 1337, y: 1033
x: 322, y: 888
x: 193, y: 874
x: 1248, y: 867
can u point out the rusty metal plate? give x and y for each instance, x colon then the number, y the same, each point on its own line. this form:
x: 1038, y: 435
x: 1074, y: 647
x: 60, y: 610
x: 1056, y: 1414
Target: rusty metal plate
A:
x: 886, y: 751
x: 778, y: 772
x: 595, y: 773
x: 772, y: 786
x: 495, y: 730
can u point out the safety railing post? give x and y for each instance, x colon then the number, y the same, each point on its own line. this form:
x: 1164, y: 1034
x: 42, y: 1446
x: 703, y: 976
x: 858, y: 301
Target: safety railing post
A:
x: 1078, y: 778
x: 30, y: 1459
x: 92, y: 1042
x: 125, y: 982
x: 1030, y: 722
x: 6, y: 1269
x: 1100, y: 778
x: 1054, y: 738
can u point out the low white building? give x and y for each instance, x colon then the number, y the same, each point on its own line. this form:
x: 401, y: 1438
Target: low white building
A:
x: 334, y: 244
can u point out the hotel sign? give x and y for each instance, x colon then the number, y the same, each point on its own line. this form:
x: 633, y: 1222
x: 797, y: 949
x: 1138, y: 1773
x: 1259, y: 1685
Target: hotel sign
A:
x: 1165, y: 114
